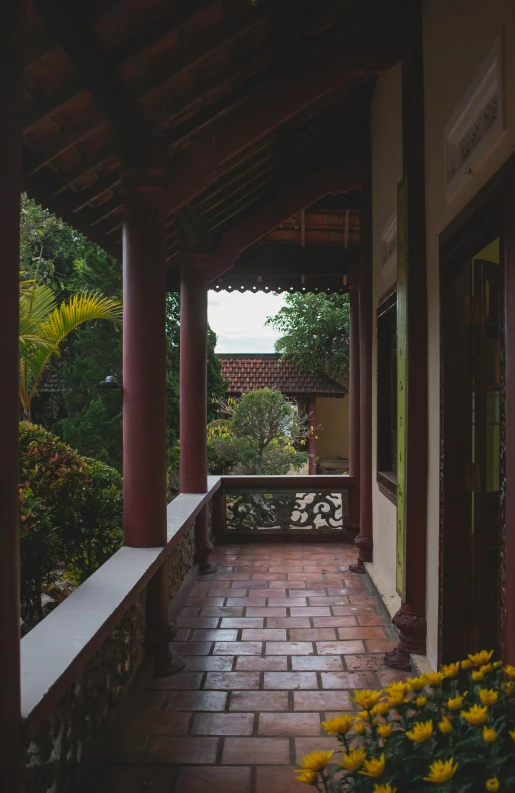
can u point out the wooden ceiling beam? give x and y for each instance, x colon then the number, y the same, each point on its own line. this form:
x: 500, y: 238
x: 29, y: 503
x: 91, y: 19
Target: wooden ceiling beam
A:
x: 338, y: 179
x: 275, y: 102
x: 72, y: 26
x: 133, y: 48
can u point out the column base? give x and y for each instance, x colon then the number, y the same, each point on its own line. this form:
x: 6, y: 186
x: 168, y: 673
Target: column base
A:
x: 165, y: 662
x: 412, y: 629
x: 365, y: 546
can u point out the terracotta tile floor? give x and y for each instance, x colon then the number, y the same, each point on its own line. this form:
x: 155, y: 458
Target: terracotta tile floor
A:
x: 274, y: 642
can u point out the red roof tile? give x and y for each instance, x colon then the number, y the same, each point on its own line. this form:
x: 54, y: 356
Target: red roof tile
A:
x: 250, y: 372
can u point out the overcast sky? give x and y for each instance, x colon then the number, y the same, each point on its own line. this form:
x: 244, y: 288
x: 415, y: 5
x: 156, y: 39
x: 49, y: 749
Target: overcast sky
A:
x: 238, y: 319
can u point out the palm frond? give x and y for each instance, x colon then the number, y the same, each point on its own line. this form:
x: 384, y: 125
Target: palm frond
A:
x: 80, y: 308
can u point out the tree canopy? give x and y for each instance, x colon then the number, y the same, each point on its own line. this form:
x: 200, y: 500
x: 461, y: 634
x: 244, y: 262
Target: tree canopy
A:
x: 315, y: 332
x: 70, y: 402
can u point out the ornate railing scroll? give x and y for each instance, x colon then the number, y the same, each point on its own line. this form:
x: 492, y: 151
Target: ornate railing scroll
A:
x: 263, y: 505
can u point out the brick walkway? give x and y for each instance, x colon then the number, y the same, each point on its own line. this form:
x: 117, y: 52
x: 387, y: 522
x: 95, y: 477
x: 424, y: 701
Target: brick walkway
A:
x: 274, y: 643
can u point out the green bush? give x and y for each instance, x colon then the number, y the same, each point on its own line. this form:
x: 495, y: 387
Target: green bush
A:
x: 71, y: 515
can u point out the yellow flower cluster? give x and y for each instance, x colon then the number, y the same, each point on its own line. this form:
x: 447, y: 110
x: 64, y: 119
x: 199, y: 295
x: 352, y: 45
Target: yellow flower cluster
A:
x: 388, y: 716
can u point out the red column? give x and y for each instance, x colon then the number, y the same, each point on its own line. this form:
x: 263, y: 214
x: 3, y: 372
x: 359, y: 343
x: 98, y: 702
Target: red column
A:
x: 144, y: 360
x: 364, y: 540
x: 144, y: 394
x: 312, y: 437
x: 411, y: 618
x: 193, y: 398
x: 509, y: 504
x: 11, y: 762
x: 354, y: 422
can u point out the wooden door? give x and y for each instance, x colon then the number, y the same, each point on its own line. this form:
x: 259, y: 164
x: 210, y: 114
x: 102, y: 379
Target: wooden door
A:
x: 471, y: 460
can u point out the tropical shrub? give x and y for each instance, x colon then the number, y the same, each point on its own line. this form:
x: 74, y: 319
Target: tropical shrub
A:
x: 222, y: 447
x: 267, y: 428
x: 451, y: 731
x: 71, y: 515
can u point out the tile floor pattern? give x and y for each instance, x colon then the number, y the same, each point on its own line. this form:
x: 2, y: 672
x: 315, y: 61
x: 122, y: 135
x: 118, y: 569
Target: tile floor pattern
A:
x: 274, y: 643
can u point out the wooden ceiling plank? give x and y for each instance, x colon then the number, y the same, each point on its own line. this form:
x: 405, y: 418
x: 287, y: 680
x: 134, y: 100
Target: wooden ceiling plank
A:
x: 95, y: 70
x: 288, y: 203
x: 97, y: 189
x: 44, y: 155
x: 273, y: 103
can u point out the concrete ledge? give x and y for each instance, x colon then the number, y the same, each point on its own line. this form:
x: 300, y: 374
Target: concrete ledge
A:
x: 55, y: 652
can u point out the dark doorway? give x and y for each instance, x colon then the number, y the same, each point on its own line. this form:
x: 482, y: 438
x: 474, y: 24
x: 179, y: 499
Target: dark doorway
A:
x: 472, y: 297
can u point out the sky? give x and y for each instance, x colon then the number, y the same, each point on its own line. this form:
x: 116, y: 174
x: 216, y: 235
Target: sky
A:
x: 238, y: 319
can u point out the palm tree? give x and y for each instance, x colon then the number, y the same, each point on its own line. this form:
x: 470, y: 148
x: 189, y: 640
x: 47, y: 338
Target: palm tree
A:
x: 44, y: 325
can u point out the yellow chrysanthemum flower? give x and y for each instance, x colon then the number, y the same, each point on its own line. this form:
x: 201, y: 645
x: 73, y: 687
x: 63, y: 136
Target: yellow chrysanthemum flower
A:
x: 441, y: 771
x: 478, y: 675
x: 509, y: 671
x: 416, y: 683
x: 366, y: 698
x: 489, y: 735
x: 476, y: 715
x: 382, y: 708
x: 445, y: 725
x: 434, y: 679
x: 512, y: 735
x: 421, y: 731
x: 363, y: 715
x: 492, y: 784
x: 488, y: 696
x: 421, y: 702
x: 384, y: 730
x: 354, y: 759
x: 359, y: 726
x: 384, y: 789
x: 510, y: 687
x: 450, y: 670
x: 397, y: 685
x: 307, y: 776
x: 396, y: 698
x: 466, y: 664
x: 374, y: 767
x: 481, y: 658
x: 487, y: 668
x: 316, y: 761
x: 340, y: 725
x: 497, y: 664
x: 455, y: 703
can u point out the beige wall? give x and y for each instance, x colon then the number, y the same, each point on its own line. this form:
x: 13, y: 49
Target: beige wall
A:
x: 386, y: 173
x: 458, y: 34
x: 333, y: 422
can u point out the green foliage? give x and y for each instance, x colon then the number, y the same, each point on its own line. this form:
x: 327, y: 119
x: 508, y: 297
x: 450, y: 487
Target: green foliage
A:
x: 222, y: 448
x: 315, y: 332
x: 45, y: 324
x: 71, y: 514
x: 85, y: 416
x: 259, y: 438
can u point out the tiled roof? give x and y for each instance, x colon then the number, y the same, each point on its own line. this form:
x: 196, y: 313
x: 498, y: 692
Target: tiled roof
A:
x: 250, y: 372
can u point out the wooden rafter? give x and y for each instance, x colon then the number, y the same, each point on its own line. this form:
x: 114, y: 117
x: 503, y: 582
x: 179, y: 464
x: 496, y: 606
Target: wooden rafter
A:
x: 73, y: 28
x: 273, y: 103
x: 319, y: 184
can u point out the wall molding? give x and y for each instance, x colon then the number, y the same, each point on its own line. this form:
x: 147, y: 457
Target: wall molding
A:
x: 476, y: 123
x: 389, y: 246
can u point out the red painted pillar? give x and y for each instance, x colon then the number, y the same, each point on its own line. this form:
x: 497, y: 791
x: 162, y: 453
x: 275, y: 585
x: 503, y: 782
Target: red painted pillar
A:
x: 144, y: 360
x: 144, y: 394
x: 312, y: 437
x: 193, y: 398
x: 411, y: 618
x: 11, y: 761
x: 509, y: 412
x: 364, y: 540
x: 354, y: 405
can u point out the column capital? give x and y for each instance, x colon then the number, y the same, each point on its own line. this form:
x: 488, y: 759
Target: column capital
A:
x: 146, y: 180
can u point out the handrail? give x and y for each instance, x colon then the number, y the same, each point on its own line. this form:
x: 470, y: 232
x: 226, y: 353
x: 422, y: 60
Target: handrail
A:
x: 319, y: 482
x: 56, y: 650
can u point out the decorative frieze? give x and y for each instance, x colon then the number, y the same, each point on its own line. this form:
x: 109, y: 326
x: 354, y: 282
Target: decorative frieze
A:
x: 476, y: 123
